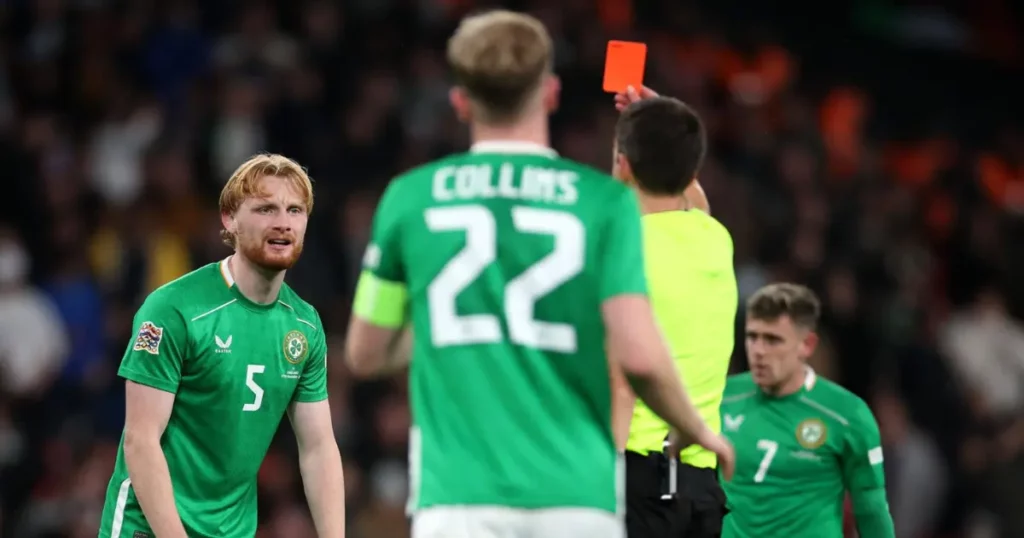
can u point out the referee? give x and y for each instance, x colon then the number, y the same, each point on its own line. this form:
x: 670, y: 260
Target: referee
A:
x: 659, y: 146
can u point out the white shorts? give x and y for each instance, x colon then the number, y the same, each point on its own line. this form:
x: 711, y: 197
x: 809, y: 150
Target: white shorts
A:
x: 502, y: 522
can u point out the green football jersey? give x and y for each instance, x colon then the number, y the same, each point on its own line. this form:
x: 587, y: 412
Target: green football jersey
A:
x: 796, y: 457
x: 505, y: 254
x: 234, y: 367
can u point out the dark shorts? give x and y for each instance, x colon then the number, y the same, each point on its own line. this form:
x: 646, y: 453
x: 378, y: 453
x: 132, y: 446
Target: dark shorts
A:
x: 695, y: 511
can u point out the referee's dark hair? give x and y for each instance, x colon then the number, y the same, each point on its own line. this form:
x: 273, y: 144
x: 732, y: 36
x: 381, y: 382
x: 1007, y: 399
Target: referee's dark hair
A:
x: 785, y: 299
x: 664, y: 141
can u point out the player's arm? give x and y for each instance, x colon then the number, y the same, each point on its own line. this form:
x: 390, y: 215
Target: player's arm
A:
x: 320, y: 466
x: 633, y: 339
x: 374, y: 349
x: 319, y: 458
x: 152, y: 368
x: 379, y: 341
x: 635, y: 343
x: 863, y: 475
x: 623, y: 403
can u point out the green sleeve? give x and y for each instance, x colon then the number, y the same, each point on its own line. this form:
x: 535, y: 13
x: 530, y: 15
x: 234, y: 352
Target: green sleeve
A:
x: 620, y: 250
x: 871, y: 513
x: 159, y: 348
x: 313, y: 383
x: 864, y: 476
x: 381, y: 296
x: 383, y: 257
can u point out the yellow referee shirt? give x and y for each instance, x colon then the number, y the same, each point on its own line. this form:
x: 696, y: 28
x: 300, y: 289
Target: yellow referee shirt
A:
x: 692, y: 288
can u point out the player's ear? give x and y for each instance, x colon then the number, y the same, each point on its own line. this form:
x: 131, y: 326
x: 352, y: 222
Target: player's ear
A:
x: 551, y: 90
x: 459, y: 100
x: 622, y: 170
x: 809, y: 344
x: 228, y: 221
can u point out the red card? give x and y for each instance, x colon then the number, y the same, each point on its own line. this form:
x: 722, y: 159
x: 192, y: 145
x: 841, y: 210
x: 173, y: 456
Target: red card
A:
x: 624, y: 66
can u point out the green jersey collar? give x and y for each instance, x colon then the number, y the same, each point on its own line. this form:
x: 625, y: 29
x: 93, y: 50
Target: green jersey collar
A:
x: 512, y: 146
x: 810, y: 379
x: 225, y: 272
x: 229, y: 279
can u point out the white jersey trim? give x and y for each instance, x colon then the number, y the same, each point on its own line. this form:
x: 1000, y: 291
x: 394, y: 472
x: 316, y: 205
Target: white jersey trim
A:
x: 300, y: 320
x: 122, y: 500
x: 225, y: 271
x: 207, y: 313
x: 842, y: 420
x: 810, y: 379
x: 415, y: 470
x: 512, y: 146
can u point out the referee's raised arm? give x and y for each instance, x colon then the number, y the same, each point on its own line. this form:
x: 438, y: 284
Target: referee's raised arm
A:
x: 660, y: 145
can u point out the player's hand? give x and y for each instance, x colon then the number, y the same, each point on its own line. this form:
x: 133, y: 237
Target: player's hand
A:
x: 723, y: 449
x: 677, y: 441
x: 631, y: 95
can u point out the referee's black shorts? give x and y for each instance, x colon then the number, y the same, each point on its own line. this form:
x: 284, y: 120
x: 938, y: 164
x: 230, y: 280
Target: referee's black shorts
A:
x: 695, y: 511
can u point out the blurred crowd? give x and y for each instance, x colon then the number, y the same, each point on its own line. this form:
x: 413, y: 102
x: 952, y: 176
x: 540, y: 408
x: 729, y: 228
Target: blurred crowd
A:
x: 873, y: 150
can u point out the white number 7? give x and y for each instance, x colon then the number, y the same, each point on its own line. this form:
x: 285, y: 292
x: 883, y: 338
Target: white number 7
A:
x: 250, y: 381
x: 769, y: 447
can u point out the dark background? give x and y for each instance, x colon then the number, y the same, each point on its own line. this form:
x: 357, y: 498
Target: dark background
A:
x: 872, y: 149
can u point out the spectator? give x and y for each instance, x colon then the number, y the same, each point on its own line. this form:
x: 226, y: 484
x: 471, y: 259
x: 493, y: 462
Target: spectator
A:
x: 986, y: 348
x: 915, y: 471
x: 33, y: 339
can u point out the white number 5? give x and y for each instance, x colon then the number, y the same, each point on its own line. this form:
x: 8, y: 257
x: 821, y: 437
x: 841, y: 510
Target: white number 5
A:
x: 250, y: 381
x: 769, y: 447
x: 521, y: 294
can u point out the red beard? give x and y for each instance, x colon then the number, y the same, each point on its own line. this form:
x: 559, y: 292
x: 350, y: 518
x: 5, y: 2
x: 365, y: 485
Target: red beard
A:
x: 264, y: 255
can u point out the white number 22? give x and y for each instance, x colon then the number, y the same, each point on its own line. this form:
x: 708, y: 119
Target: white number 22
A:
x: 521, y: 293
x: 257, y: 391
x: 769, y: 447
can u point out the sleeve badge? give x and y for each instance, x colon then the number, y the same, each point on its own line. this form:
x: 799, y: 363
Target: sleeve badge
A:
x: 149, y: 338
x: 875, y: 456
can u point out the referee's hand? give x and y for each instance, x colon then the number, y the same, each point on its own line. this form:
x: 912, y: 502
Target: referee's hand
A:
x: 632, y: 95
x: 709, y: 440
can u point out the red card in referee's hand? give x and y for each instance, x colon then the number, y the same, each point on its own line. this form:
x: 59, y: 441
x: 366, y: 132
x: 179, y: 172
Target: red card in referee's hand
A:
x: 624, y: 66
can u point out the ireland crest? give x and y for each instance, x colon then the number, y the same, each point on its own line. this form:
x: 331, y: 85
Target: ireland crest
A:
x: 296, y: 347
x: 811, y: 433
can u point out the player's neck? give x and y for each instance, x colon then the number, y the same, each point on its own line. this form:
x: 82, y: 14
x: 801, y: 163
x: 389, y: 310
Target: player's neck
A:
x: 788, y: 387
x: 259, y: 285
x: 532, y: 129
x: 661, y: 204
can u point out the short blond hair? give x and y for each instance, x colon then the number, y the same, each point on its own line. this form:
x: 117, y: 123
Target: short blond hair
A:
x: 244, y: 183
x: 500, y: 58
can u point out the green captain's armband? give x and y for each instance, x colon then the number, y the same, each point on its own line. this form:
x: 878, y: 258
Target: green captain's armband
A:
x: 381, y: 302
